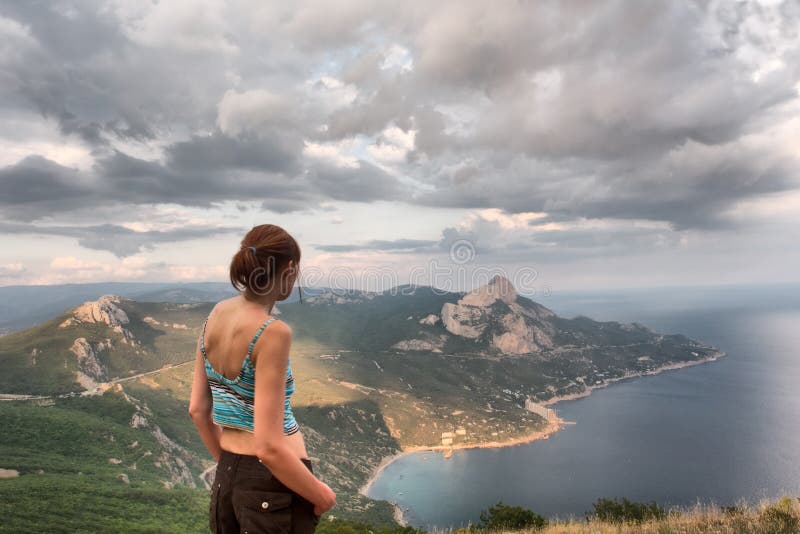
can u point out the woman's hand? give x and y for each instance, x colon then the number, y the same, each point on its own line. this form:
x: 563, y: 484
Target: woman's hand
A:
x: 327, y: 503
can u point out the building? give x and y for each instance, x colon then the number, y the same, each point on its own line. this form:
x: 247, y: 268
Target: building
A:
x: 538, y: 409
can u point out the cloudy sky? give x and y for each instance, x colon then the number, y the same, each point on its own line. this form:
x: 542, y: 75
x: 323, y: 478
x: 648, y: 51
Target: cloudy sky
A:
x: 589, y: 144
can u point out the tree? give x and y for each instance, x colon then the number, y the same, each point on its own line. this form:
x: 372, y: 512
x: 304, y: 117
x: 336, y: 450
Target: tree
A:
x: 503, y: 516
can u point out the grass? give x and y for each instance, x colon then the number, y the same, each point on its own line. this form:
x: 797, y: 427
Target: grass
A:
x: 762, y: 517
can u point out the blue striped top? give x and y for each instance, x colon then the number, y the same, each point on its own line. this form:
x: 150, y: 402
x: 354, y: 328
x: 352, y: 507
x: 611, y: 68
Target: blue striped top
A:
x: 233, y: 399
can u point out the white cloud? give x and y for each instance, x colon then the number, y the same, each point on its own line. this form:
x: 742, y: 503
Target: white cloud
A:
x: 251, y: 110
x: 397, y: 57
x: 196, y: 27
x: 326, y: 94
x: 334, y: 153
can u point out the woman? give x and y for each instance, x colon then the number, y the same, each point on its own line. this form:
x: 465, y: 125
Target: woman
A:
x: 240, y: 402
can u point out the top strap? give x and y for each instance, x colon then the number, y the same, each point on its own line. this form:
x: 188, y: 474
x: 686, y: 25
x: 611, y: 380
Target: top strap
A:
x: 255, y: 338
x: 203, y: 338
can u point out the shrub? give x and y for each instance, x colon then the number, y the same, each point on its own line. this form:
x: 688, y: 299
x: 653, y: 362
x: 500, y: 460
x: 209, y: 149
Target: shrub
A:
x: 616, y: 511
x: 780, y: 518
x: 504, y: 516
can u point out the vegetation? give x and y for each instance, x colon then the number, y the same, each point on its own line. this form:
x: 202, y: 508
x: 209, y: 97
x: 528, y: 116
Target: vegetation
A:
x: 503, y: 516
x: 626, y: 517
x: 89, y: 504
x: 625, y: 511
x: 352, y: 526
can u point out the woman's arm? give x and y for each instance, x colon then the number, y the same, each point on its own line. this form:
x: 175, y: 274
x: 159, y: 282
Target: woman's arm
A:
x: 272, y: 358
x: 200, y: 407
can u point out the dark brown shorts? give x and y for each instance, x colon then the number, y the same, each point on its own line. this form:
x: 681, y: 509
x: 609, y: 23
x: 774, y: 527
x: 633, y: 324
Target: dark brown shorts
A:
x: 246, y: 497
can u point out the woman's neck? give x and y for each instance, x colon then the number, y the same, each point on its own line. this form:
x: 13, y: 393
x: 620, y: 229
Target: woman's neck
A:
x: 265, y: 302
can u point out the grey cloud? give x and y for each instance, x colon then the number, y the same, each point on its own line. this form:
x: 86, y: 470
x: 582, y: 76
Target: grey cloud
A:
x: 690, y: 187
x: 270, y: 153
x: 198, y: 172
x: 227, y: 169
x: 365, y: 183
x: 392, y: 103
x: 635, y: 84
x: 36, y: 186
x: 81, y: 68
x: 490, y: 241
x: 118, y: 240
x: 69, y: 39
x: 205, y: 170
x: 396, y: 245
x: 487, y: 241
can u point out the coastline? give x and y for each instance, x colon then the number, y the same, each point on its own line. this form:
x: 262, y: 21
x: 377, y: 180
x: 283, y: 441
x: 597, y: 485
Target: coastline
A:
x: 554, y: 424
x: 668, y: 367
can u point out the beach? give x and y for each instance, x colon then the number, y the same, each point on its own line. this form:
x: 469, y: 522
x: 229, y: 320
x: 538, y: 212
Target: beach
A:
x: 554, y: 424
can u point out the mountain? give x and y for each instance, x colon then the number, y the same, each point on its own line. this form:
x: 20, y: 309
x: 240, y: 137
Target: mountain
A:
x: 98, y: 341
x: 375, y: 372
x: 26, y: 306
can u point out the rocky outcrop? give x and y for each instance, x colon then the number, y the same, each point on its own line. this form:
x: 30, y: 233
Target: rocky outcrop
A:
x: 90, y: 369
x: 464, y: 320
x: 104, y: 310
x: 174, y: 459
x: 429, y: 320
x: 430, y: 343
x: 494, y: 311
x: 498, y: 288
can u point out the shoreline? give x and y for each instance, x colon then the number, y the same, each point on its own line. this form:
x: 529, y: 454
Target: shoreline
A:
x: 554, y: 424
x: 668, y: 367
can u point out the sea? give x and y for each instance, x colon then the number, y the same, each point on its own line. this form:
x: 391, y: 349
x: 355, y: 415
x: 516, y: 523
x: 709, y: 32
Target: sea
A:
x: 725, y: 432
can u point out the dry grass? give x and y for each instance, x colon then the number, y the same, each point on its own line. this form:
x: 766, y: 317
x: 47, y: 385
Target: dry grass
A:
x: 764, y: 517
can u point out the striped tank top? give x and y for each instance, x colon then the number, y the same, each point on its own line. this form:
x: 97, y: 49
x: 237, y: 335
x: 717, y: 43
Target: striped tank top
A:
x: 233, y: 399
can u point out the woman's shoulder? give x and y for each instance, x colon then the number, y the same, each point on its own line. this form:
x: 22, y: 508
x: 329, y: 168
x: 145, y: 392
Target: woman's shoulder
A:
x: 249, y: 319
x: 220, y: 307
x: 279, y: 328
x: 226, y: 303
x: 278, y: 337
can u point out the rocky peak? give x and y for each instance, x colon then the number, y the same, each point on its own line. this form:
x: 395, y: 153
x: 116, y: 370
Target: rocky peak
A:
x: 103, y: 310
x: 498, y: 288
x: 512, y: 329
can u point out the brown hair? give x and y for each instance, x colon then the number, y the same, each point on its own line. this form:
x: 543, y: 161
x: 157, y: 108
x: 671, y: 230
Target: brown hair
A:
x: 266, y: 250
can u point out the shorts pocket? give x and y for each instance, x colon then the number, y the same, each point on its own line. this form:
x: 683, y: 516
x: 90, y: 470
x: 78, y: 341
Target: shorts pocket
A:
x: 260, y: 511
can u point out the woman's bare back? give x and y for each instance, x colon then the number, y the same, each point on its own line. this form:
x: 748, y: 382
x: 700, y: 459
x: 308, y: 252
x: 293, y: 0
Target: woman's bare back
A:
x: 230, y: 329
